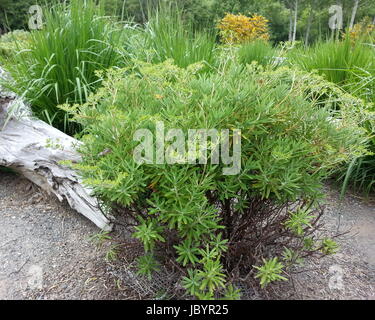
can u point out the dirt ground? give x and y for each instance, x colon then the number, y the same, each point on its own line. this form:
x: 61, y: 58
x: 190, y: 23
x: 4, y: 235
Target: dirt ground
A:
x: 350, y: 273
x: 46, y: 252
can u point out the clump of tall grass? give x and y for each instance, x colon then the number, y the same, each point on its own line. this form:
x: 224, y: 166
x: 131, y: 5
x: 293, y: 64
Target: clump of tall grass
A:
x: 350, y: 64
x: 59, y: 66
x: 168, y: 36
x: 360, y: 174
x: 260, y: 51
x: 340, y: 62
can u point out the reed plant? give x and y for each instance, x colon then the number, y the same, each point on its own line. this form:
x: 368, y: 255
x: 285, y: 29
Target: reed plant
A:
x: 61, y: 62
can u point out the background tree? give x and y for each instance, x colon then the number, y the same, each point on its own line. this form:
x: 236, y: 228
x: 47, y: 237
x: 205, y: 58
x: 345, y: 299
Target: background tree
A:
x: 354, y: 13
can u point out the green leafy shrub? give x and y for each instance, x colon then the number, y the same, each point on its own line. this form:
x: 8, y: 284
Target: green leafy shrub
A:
x: 13, y: 42
x: 60, y: 64
x: 217, y: 227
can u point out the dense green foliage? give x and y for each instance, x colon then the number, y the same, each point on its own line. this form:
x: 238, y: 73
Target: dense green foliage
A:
x: 192, y: 212
x: 13, y: 42
x: 62, y: 58
x: 14, y: 14
x: 352, y: 66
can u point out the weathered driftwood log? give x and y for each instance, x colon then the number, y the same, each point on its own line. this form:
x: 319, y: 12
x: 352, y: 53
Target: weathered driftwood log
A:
x: 34, y: 149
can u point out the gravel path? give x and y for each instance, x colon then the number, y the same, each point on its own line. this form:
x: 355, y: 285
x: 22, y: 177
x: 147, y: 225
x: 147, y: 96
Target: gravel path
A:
x: 45, y: 252
x: 349, y: 274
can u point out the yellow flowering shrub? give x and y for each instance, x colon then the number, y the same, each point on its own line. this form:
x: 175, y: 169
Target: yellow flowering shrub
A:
x: 234, y: 29
x: 363, y: 29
